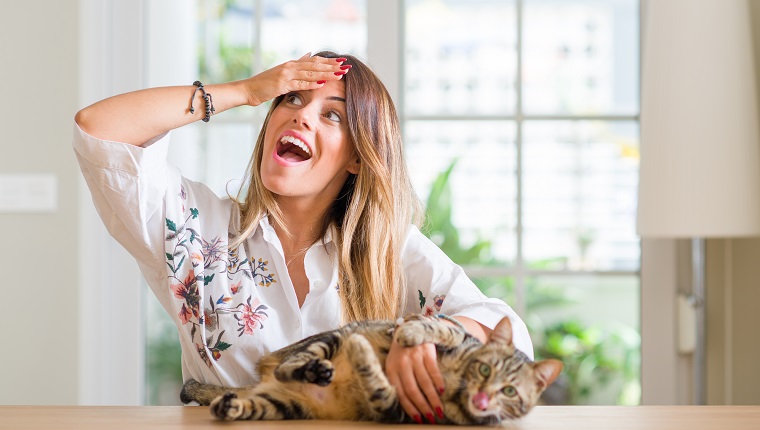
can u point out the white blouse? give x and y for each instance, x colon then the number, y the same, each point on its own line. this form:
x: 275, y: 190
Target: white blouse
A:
x: 233, y: 306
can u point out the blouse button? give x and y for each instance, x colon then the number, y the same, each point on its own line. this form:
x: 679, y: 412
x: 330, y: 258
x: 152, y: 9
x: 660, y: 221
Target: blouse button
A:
x: 319, y: 284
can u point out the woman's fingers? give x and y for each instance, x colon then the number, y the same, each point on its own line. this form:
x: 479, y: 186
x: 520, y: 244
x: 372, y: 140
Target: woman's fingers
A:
x: 406, y: 404
x: 413, y: 371
x: 318, y: 70
x: 426, y: 397
x: 306, y: 73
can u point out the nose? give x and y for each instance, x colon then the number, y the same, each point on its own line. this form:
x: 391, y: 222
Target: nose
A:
x: 304, y: 117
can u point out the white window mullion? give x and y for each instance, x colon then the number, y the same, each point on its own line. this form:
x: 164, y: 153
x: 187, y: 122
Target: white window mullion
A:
x: 384, y: 44
x: 111, y: 346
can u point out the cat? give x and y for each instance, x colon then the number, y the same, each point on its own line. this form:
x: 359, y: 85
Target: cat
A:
x: 338, y: 375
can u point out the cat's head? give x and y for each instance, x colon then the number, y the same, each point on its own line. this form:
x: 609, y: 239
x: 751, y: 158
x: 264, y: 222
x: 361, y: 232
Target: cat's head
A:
x: 502, y: 383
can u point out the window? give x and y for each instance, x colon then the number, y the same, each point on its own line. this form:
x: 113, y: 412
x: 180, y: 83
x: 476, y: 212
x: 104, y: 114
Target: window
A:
x: 530, y: 110
x: 520, y: 122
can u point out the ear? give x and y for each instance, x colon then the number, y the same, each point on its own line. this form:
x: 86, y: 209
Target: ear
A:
x: 353, y: 166
x: 502, y: 333
x: 547, y: 371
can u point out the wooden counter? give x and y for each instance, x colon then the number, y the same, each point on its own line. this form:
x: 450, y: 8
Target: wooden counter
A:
x: 541, y: 418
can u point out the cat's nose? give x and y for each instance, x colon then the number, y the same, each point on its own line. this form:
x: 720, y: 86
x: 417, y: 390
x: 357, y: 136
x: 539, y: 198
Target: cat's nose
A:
x: 480, y: 401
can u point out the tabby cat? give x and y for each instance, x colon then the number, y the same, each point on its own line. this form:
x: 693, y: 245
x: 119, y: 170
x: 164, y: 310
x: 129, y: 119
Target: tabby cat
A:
x: 338, y: 375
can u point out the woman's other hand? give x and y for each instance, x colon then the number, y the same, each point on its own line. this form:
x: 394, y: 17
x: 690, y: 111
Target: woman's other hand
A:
x: 413, y: 371
x: 305, y: 73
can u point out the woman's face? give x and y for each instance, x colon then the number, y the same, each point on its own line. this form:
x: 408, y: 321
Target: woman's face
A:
x: 307, y: 152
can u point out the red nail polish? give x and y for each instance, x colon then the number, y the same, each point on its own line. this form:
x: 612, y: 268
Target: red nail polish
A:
x: 340, y: 73
x: 439, y: 412
x: 321, y: 82
x: 441, y: 390
x: 417, y: 419
x: 346, y: 67
x: 341, y: 60
x: 430, y: 418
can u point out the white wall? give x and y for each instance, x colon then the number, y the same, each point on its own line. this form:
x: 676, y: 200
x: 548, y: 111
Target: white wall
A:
x: 38, y: 255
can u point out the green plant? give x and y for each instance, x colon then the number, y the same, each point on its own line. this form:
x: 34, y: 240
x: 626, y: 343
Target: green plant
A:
x: 596, y: 360
x: 439, y: 227
x: 163, y: 366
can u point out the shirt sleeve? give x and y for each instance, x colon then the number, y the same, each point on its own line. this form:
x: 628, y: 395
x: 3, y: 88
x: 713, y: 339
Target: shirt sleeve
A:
x: 128, y: 184
x: 437, y: 285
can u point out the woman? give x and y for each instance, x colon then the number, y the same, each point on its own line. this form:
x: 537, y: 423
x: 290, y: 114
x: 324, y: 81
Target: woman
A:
x: 326, y: 232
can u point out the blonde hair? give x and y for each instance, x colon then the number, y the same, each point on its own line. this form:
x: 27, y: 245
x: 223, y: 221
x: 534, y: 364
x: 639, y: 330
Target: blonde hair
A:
x: 374, y: 209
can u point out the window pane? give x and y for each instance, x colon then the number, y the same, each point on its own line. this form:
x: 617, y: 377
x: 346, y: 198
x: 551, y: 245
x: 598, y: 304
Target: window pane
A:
x: 500, y: 287
x: 225, y: 40
x: 475, y: 217
x: 291, y: 28
x: 580, y: 183
x: 218, y: 158
x: 229, y: 35
x: 581, y: 57
x: 163, y: 355
x: 592, y: 325
x: 460, y: 57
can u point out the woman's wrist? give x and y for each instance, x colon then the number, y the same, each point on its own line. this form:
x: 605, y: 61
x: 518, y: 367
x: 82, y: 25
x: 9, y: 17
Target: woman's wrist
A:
x: 229, y: 95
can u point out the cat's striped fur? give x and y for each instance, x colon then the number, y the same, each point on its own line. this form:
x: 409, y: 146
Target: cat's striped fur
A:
x: 339, y: 375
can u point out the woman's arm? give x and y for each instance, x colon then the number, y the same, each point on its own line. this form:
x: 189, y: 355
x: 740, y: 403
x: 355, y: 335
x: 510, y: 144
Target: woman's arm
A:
x: 139, y: 116
x: 473, y: 327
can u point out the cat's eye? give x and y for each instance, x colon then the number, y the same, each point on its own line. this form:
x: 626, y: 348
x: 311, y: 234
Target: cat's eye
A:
x: 485, y: 370
x: 509, y: 391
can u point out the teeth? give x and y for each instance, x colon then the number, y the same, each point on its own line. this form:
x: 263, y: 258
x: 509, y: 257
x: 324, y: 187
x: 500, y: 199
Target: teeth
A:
x: 296, y: 142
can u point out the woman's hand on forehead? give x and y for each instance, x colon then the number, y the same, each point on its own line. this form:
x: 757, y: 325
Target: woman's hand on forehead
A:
x: 305, y: 73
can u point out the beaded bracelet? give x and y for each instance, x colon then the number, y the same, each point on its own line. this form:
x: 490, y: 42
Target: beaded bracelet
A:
x: 209, y: 102
x: 451, y: 320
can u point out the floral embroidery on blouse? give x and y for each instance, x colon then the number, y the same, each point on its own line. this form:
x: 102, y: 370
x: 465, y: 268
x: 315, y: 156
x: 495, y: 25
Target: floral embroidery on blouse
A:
x: 207, y: 258
x: 437, y: 303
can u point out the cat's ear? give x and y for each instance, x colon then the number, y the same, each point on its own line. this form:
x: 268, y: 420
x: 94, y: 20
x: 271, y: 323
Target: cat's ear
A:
x: 502, y: 333
x: 547, y: 371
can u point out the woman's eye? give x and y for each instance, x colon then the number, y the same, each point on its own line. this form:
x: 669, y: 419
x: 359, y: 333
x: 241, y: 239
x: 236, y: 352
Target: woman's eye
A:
x: 485, y: 370
x: 332, y: 116
x: 293, y: 99
x: 509, y: 391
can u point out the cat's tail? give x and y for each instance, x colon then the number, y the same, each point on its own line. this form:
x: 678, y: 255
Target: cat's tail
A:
x: 186, y: 396
x: 193, y: 392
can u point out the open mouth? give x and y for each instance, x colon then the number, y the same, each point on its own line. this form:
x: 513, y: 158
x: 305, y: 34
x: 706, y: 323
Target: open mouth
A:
x: 293, y: 149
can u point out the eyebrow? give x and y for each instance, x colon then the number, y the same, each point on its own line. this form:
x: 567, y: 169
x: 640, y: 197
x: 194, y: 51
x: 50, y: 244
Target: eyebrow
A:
x: 336, y: 98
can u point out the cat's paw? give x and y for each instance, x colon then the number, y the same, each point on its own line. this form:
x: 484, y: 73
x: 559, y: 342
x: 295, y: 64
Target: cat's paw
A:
x: 227, y: 407
x: 316, y: 371
x: 411, y: 333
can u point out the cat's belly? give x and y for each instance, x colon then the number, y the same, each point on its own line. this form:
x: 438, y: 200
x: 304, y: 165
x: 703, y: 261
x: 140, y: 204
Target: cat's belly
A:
x: 320, y: 396
x: 340, y: 400
x: 331, y: 402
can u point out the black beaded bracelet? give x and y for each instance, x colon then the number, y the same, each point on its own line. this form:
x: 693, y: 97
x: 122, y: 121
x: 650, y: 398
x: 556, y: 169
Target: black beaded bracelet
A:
x: 209, y: 102
x: 451, y: 320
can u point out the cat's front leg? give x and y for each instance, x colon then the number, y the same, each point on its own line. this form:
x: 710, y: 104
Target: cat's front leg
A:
x: 418, y: 331
x: 306, y: 369
x: 311, y: 361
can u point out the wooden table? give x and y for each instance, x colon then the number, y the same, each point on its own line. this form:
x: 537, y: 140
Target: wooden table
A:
x: 542, y: 418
